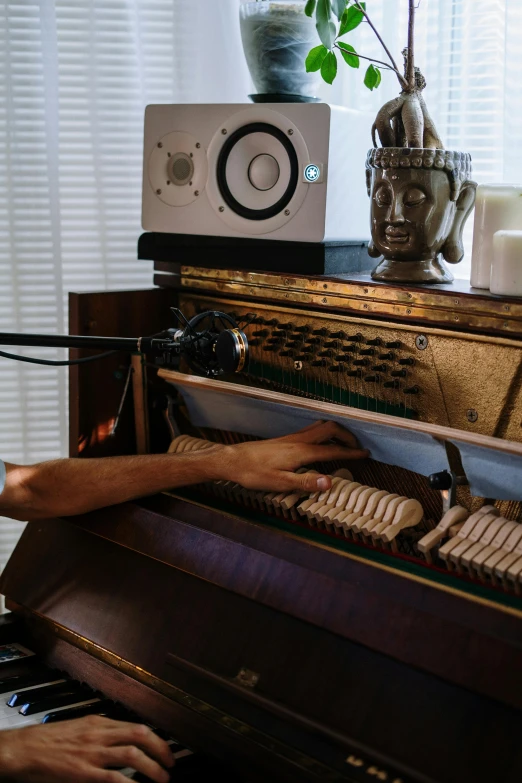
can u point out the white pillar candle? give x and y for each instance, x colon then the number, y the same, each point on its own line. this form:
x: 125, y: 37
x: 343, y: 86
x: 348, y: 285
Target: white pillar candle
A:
x: 497, y: 207
x: 506, y: 267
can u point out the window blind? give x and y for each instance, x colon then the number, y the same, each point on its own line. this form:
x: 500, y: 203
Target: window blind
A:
x: 75, y: 77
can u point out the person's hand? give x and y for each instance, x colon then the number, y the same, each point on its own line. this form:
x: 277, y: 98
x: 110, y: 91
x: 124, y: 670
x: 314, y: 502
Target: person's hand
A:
x: 82, y: 751
x: 270, y: 464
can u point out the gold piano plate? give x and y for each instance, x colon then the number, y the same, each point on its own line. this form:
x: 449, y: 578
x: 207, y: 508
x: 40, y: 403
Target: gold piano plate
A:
x: 462, y: 380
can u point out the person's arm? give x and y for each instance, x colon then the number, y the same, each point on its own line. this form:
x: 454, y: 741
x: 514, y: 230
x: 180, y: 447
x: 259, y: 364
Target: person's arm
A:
x: 74, y: 486
x: 83, y: 751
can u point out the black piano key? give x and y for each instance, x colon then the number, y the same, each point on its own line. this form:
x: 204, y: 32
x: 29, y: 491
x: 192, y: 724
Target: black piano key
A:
x: 53, y: 702
x: 8, y: 684
x: 103, y: 707
x: 35, y: 694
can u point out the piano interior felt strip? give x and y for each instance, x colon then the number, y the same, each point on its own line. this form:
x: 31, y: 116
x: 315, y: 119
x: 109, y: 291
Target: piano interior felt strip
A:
x: 416, y: 451
x: 494, y: 464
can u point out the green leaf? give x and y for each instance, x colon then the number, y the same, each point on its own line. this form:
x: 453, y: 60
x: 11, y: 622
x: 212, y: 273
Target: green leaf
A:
x: 372, y: 77
x: 379, y: 78
x: 349, y: 55
x: 325, y: 26
x: 351, y: 19
x: 310, y: 7
x: 329, y: 68
x: 338, y: 7
x: 315, y: 58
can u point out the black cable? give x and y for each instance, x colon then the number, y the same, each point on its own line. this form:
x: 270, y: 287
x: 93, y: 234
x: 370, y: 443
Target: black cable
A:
x: 52, y: 363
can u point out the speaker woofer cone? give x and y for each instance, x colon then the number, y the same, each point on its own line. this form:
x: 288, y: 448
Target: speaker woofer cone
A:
x: 221, y: 172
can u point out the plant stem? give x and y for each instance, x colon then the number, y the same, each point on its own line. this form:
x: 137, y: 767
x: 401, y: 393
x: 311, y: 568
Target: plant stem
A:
x: 401, y: 78
x: 410, y: 66
x: 370, y: 59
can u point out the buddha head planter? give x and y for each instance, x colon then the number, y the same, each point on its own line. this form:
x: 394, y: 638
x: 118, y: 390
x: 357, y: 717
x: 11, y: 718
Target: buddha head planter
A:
x: 420, y: 201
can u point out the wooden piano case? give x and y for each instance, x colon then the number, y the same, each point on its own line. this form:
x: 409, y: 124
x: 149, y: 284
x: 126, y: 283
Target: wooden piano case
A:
x: 285, y: 656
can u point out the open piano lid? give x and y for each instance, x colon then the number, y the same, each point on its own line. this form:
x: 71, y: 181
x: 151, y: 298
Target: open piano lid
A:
x: 493, y: 466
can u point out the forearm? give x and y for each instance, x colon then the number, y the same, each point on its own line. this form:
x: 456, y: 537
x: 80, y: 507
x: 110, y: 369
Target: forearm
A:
x: 74, y: 486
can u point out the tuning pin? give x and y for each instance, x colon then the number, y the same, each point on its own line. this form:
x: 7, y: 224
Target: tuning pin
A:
x: 319, y: 363
x: 303, y: 357
x: 286, y: 353
x: 329, y: 352
x: 272, y: 322
x: 361, y: 362
x: 367, y: 352
x: 388, y: 357
x: 275, y: 341
x: 338, y: 335
x: 260, y: 333
x: 355, y: 338
x: 289, y: 326
x: 279, y: 333
x: 335, y: 368
x: 270, y: 348
x: 322, y: 332
x: 349, y: 349
x: 409, y: 361
x: 398, y: 373
x: 380, y: 368
x: 395, y: 384
x: 302, y: 329
x: 394, y: 344
x: 294, y: 343
x: 376, y: 341
x: 354, y: 373
x: 253, y: 343
x: 412, y: 390
x: 331, y: 344
x: 372, y: 379
x: 312, y: 340
x: 342, y: 358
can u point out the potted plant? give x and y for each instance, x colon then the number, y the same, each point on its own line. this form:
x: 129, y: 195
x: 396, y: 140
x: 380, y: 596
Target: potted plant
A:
x: 276, y: 37
x: 421, y: 194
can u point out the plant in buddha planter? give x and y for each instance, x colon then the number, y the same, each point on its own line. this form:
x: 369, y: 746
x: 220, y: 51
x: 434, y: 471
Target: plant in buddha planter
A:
x: 421, y: 194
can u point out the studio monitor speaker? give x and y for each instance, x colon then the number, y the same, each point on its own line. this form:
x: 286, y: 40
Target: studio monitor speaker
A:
x: 275, y: 171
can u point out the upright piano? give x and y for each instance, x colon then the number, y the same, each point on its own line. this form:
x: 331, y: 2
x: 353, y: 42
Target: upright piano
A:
x: 278, y: 637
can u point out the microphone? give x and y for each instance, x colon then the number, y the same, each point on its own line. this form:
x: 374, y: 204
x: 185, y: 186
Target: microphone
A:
x: 211, y: 343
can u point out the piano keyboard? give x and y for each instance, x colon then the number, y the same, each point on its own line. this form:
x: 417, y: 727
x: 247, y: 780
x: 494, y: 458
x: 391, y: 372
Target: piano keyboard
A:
x: 31, y: 693
x: 348, y: 508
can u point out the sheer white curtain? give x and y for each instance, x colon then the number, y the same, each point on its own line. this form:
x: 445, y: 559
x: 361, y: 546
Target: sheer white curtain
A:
x: 75, y: 76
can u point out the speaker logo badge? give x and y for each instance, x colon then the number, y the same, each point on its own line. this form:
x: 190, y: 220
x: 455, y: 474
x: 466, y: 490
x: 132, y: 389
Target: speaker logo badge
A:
x: 313, y: 172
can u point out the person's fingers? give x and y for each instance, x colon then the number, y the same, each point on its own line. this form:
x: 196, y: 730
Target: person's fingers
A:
x: 319, y: 453
x: 131, y: 756
x: 303, y: 435
x: 321, y: 431
x: 102, y: 776
x: 287, y: 481
x: 305, y: 482
x: 143, y: 738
